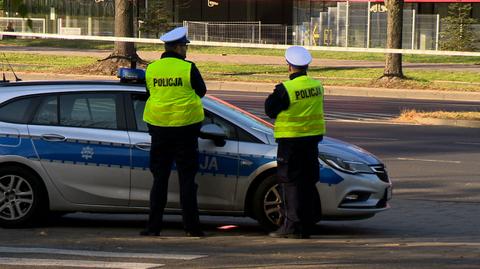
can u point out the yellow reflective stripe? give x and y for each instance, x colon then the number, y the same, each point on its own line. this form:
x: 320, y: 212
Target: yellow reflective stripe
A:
x: 165, y: 117
x: 298, y: 119
x: 174, y: 107
x: 299, y: 128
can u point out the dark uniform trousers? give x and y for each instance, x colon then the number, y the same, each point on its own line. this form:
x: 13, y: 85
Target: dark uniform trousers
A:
x: 169, y: 145
x: 298, y: 172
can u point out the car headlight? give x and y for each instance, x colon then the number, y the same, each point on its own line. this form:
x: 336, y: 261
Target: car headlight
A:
x: 352, y: 167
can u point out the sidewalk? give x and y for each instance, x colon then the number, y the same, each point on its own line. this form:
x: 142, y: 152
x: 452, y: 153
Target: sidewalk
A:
x: 268, y: 88
x: 242, y: 59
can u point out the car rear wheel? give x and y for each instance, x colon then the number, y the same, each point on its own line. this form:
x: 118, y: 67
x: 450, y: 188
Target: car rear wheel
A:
x: 267, y: 202
x: 22, y: 198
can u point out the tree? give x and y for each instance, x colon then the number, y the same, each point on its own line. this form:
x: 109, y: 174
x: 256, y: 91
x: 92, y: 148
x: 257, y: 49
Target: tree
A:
x: 21, y: 8
x: 156, y: 19
x: 457, y: 33
x: 393, y: 61
x: 124, y: 52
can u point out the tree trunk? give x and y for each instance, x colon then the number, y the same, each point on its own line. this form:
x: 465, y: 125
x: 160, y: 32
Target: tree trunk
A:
x: 124, y: 52
x: 393, y: 64
x: 124, y: 28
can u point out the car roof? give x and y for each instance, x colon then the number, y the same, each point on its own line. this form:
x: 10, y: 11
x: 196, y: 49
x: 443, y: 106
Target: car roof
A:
x: 17, y: 89
x: 9, y: 91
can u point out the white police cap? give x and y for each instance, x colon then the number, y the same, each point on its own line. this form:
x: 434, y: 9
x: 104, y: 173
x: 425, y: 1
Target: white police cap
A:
x: 298, y: 56
x: 177, y: 35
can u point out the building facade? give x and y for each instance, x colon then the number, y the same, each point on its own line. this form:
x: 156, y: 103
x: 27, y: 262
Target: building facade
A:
x: 357, y: 23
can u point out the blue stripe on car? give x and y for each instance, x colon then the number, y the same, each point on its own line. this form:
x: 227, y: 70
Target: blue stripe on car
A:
x: 109, y: 154
x: 17, y: 146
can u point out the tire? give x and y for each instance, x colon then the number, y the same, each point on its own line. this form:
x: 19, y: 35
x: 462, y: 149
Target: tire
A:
x: 23, y: 199
x: 267, y: 201
x: 266, y: 204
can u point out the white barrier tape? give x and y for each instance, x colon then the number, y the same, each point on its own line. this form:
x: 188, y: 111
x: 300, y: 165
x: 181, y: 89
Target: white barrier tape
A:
x: 244, y: 45
x: 82, y: 37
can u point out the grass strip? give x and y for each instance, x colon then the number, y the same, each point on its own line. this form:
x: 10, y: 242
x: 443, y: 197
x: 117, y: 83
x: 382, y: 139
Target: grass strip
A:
x: 45, y: 63
x: 412, y: 114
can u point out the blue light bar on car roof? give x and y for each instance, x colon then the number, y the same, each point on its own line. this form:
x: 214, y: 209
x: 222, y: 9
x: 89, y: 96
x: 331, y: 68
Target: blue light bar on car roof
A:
x: 131, y: 75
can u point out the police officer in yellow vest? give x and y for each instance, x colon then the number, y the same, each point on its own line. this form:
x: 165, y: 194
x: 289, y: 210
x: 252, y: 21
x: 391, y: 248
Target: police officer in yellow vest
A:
x: 174, y: 114
x: 297, y: 107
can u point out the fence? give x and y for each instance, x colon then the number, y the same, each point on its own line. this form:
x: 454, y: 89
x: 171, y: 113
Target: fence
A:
x: 347, y: 25
x: 476, y: 30
x: 365, y: 25
x: 86, y: 26
x: 356, y: 25
x: 238, y: 32
x: 21, y: 24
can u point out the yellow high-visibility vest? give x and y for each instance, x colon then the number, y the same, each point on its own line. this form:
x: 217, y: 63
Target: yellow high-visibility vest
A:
x: 304, y: 116
x: 173, y: 101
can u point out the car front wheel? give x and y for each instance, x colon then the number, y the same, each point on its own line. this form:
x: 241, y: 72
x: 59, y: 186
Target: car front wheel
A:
x: 22, y: 199
x: 267, y: 202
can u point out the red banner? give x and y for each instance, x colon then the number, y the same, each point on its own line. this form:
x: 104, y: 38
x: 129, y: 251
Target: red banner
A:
x: 410, y: 1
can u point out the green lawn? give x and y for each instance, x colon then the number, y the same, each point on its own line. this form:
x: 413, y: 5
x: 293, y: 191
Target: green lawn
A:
x: 423, y: 79
x: 45, y: 63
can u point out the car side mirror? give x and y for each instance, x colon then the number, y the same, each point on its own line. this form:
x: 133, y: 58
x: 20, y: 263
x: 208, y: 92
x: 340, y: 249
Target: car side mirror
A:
x: 215, y: 133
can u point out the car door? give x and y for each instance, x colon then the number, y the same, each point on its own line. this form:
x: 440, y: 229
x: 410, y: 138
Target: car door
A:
x: 218, y: 166
x: 82, y: 143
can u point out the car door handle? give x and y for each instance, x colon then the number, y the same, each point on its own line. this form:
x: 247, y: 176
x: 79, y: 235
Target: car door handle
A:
x: 143, y: 146
x: 53, y: 137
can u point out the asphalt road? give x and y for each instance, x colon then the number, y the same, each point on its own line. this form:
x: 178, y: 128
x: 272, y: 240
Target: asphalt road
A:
x: 433, y: 221
x: 426, y: 162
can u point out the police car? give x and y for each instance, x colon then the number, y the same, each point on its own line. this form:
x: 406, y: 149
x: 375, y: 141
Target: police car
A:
x: 82, y: 146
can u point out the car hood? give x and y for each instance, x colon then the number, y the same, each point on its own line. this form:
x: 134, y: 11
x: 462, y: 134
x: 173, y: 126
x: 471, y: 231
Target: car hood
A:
x: 336, y: 147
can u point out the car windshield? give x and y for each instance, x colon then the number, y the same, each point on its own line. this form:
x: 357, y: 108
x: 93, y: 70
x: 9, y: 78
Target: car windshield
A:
x: 246, y: 117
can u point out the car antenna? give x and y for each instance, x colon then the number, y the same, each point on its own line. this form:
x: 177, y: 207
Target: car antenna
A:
x: 11, y: 68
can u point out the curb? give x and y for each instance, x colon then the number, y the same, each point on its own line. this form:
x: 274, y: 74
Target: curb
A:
x: 353, y: 91
x: 458, y: 123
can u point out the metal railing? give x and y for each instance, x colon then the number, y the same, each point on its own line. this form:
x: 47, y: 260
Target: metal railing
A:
x: 347, y: 25
x: 21, y: 24
x: 238, y: 32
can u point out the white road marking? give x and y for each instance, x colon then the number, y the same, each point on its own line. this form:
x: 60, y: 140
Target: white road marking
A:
x: 77, y: 263
x: 427, y: 160
x: 237, y: 95
x: 360, y: 115
x: 88, y: 253
x: 467, y: 143
x: 370, y: 121
x: 373, y: 138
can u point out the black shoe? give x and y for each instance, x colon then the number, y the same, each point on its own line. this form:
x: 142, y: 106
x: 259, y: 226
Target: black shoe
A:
x: 149, y: 233
x: 278, y: 234
x: 198, y: 233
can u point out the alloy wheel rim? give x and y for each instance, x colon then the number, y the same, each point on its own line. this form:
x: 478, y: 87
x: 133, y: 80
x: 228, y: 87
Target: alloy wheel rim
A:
x: 271, y: 205
x: 16, y: 197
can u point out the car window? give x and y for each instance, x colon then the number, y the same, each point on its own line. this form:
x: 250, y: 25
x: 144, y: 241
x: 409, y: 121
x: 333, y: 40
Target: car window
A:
x: 47, y: 112
x: 232, y: 131
x: 89, y: 110
x: 16, y: 111
x: 229, y: 129
x: 138, y: 107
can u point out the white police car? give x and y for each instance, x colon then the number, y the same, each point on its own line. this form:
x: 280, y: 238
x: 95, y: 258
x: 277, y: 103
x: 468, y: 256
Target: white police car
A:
x: 82, y: 146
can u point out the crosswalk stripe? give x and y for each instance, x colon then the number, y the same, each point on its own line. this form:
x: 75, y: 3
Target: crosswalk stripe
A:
x: 77, y: 263
x: 88, y: 253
